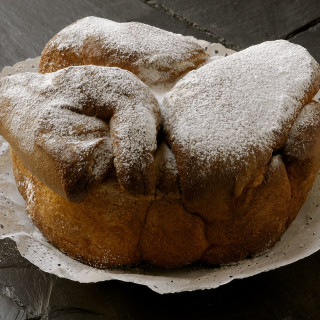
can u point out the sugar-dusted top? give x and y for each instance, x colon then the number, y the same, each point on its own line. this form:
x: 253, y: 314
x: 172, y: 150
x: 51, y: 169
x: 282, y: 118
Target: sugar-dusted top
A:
x: 151, y: 52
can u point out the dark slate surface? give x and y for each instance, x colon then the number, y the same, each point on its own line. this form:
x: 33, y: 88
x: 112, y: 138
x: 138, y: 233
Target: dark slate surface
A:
x: 291, y: 292
x: 310, y: 39
x: 240, y: 24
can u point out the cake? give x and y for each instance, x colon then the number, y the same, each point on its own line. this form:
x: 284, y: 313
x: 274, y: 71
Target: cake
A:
x: 212, y: 172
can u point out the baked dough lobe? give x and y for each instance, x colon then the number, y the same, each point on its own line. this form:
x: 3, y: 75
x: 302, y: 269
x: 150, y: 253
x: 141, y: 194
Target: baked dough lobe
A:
x: 224, y: 120
x: 71, y: 127
x: 259, y: 218
x: 154, y: 55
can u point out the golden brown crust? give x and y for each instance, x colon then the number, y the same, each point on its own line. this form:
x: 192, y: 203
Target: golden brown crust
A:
x: 256, y: 220
x: 96, y: 231
x: 171, y: 236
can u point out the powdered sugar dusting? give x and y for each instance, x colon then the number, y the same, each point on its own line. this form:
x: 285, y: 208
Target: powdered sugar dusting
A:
x: 136, y: 37
x: 239, y: 106
x: 66, y: 115
x: 154, y: 52
x: 224, y: 111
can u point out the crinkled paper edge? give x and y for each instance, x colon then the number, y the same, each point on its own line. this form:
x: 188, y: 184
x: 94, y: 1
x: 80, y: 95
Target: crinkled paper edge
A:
x: 300, y: 240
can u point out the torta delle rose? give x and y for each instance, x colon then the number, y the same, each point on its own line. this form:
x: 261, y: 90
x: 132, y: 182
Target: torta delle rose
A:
x: 112, y: 175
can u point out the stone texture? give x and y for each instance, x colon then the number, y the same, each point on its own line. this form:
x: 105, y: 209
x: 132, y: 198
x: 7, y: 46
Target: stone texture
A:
x: 243, y: 23
x: 26, y: 292
x: 310, y: 39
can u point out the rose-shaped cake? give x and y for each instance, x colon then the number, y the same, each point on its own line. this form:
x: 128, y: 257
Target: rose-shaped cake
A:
x: 213, y: 173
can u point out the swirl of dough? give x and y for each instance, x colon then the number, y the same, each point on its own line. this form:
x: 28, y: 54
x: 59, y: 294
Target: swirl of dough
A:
x: 70, y: 127
x: 154, y: 55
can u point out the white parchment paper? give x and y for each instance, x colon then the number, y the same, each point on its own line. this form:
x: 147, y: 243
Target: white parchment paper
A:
x: 301, y: 239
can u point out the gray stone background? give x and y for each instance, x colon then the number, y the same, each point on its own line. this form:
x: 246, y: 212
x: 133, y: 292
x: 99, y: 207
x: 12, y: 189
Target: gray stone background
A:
x: 291, y: 292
